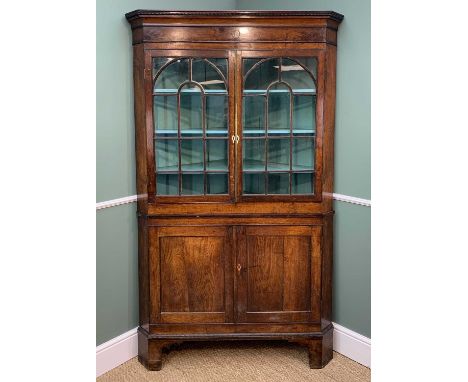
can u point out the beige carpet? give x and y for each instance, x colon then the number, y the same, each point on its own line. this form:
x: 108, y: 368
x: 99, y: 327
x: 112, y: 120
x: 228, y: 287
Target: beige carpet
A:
x: 245, y: 361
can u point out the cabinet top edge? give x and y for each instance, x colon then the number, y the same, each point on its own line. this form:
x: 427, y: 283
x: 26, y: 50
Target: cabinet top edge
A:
x: 234, y: 13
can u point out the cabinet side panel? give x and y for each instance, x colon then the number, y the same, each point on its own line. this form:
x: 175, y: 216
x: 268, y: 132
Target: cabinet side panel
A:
x: 140, y: 126
x: 329, y: 127
x: 154, y: 275
x: 327, y: 270
x: 143, y: 278
x: 316, y: 274
x: 296, y: 293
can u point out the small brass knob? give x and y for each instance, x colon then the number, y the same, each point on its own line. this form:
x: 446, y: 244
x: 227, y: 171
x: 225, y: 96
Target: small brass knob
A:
x: 239, y: 268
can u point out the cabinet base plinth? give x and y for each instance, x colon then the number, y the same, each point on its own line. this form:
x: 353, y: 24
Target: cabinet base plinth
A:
x: 319, y: 344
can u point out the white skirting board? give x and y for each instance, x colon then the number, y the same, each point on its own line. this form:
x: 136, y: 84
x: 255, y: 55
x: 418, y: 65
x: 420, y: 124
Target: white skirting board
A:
x: 116, y: 351
x: 124, y: 347
x: 352, y: 345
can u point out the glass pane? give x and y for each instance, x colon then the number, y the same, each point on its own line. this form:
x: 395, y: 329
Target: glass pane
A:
x: 253, y: 110
x: 172, y: 76
x: 192, y: 184
x: 221, y: 64
x: 261, y: 76
x: 254, y: 183
x: 302, y: 183
x: 167, y: 184
x: 192, y: 154
x: 216, y: 154
x: 278, y: 154
x: 278, y: 183
x: 158, y: 62
x: 310, y: 63
x: 248, y: 63
x: 191, y: 111
x: 217, y: 184
x: 278, y: 110
x: 206, y: 75
x: 304, y: 115
x: 216, y: 116
x: 303, y: 154
x: 296, y: 76
x: 167, y: 155
x: 165, y: 115
x: 253, y: 154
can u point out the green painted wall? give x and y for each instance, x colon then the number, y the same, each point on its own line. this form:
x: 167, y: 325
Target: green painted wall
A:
x: 116, y: 270
x: 352, y: 267
x: 352, y: 302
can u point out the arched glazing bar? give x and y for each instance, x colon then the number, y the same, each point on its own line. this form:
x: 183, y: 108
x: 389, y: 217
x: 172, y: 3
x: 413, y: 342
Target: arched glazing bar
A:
x: 203, y: 124
x: 267, y: 108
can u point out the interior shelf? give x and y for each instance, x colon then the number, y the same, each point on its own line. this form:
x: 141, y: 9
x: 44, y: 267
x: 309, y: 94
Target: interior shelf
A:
x: 190, y: 132
x: 247, y: 133
x: 218, y: 166
x: 188, y: 91
x: 252, y: 165
x: 295, y: 91
x: 279, y: 132
x: 224, y: 92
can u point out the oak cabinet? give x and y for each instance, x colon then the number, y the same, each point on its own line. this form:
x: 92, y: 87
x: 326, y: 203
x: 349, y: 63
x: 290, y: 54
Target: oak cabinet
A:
x: 234, y: 122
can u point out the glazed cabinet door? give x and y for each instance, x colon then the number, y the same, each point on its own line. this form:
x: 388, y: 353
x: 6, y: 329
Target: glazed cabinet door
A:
x: 278, y: 273
x: 191, y: 277
x: 189, y: 99
x: 280, y: 125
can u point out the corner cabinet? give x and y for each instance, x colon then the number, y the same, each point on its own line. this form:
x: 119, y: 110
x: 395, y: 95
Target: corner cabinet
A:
x: 234, y: 120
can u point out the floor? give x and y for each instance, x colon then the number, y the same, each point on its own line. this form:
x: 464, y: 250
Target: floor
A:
x: 244, y: 361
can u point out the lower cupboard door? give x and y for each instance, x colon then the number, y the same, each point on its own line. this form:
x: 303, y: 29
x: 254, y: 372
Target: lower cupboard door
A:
x: 190, y: 274
x: 278, y: 274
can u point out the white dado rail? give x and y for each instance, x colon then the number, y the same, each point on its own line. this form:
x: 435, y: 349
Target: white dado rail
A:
x: 116, y: 202
x: 133, y: 198
x: 352, y: 200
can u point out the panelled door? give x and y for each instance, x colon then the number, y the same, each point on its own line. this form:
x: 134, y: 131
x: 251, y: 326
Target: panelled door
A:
x: 191, y: 275
x: 278, y: 273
